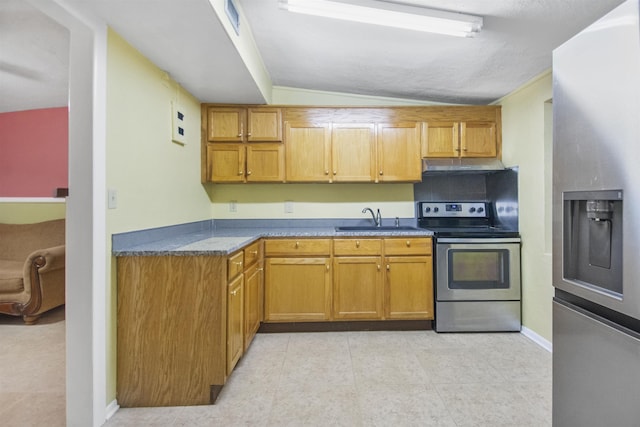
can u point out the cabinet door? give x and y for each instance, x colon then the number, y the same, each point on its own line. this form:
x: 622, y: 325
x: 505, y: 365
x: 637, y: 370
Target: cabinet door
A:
x: 307, y: 152
x: 399, y: 152
x: 409, y: 287
x: 225, y: 162
x: 353, y: 153
x: 441, y: 139
x: 265, y: 163
x: 235, y: 322
x: 478, y: 139
x: 358, y: 290
x: 225, y: 124
x: 252, y: 302
x: 264, y: 124
x: 297, y: 289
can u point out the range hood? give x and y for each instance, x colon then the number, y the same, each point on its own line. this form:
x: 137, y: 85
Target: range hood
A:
x: 461, y: 165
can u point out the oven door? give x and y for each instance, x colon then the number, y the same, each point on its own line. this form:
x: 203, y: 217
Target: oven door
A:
x: 477, y: 269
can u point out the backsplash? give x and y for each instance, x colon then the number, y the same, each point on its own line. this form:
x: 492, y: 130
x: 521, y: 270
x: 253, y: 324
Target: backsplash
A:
x: 451, y: 187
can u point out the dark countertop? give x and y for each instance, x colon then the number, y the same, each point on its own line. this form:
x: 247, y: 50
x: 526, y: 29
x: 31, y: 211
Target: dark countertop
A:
x: 226, y: 239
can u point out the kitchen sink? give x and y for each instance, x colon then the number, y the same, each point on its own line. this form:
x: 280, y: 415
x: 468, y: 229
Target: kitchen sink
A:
x: 374, y: 228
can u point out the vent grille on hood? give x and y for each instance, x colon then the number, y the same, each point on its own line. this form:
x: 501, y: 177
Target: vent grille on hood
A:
x: 461, y: 165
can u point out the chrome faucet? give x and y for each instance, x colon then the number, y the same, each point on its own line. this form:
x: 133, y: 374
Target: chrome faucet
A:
x: 377, y: 218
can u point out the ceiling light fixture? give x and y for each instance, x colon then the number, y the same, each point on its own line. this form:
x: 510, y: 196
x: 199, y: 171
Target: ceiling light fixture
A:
x: 398, y: 16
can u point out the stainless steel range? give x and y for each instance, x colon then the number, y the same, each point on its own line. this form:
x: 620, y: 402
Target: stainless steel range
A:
x: 477, y: 267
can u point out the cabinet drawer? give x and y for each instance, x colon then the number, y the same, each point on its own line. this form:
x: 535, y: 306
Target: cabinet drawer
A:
x: 294, y: 247
x: 408, y: 246
x: 357, y: 246
x: 235, y: 265
x: 252, y: 253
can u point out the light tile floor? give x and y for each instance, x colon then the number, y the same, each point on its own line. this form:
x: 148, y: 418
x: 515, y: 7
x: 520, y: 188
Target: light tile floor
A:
x: 416, y: 378
x: 312, y: 379
x: 32, y: 371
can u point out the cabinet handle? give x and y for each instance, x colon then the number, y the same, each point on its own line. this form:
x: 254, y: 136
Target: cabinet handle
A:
x: 408, y: 243
x: 248, y: 172
x: 249, y: 134
x: 238, y: 263
x: 327, y: 265
x: 388, y: 267
x: 234, y: 292
x: 326, y: 172
x: 357, y: 243
x: 253, y: 252
x: 380, y: 172
x: 261, y: 269
x: 378, y: 267
x: 297, y: 245
x: 335, y: 172
x: 240, y: 172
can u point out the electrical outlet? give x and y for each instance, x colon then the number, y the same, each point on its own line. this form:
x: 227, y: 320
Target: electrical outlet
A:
x: 233, y: 206
x: 288, y: 206
x: 112, y: 198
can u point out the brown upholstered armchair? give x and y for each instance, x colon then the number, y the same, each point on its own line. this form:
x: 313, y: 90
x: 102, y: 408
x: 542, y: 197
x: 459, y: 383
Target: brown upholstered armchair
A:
x: 32, y: 268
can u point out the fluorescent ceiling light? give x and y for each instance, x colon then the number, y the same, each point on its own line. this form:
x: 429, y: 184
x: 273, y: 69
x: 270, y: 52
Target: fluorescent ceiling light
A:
x: 398, y: 16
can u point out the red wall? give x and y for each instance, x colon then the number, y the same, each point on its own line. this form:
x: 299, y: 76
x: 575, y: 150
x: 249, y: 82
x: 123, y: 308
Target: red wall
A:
x: 34, y: 152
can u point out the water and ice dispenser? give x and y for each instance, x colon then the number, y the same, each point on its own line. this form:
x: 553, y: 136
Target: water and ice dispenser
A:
x: 592, y: 240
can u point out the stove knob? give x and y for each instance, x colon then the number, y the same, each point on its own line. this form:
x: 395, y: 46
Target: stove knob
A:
x: 472, y: 210
x: 480, y: 210
x: 436, y: 209
x: 427, y: 209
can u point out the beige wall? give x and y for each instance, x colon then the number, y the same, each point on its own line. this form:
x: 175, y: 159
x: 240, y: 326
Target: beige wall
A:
x: 526, y: 138
x: 28, y: 211
x: 157, y: 180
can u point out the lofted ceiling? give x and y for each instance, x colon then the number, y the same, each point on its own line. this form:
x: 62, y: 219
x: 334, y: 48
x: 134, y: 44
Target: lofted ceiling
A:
x: 187, y: 39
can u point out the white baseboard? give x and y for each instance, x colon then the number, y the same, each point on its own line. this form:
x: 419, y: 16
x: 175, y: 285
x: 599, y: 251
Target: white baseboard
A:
x: 542, y: 342
x: 112, y: 408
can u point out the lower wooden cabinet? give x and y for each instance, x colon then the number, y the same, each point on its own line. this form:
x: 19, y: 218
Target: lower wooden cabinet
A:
x: 408, y: 287
x: 358, y: 291
x: 185, y: 321
x: 235, y: 322
x: 253, y: 301
x: 297, y: 289
x: 171, y: 330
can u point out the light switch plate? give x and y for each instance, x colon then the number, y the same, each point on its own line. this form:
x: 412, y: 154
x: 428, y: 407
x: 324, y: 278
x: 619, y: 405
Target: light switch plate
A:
x: 178, y: 124
x: 112, y: 198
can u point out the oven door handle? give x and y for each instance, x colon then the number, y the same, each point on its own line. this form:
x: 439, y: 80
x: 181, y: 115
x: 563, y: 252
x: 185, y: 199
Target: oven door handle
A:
x: 478, y: 240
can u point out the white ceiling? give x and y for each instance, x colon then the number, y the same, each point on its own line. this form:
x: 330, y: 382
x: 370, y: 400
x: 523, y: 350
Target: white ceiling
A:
x: 186, y: 38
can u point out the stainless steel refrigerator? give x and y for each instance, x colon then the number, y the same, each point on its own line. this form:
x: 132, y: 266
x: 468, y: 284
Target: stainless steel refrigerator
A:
x: 596, y: 224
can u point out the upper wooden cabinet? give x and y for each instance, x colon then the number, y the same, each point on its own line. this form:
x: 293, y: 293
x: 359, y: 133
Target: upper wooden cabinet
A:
x: 308, y: 151
x: 240, y: 124
x: 340, y: 144
x: 352, y: 152
x: 245, y: 162
x: 399, y: 152
x: 460, y: 139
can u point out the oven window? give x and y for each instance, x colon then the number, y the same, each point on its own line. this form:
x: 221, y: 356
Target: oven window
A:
x: 478, y: 268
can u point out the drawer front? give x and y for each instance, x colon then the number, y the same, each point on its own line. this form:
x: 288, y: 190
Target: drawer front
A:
x: 235, y: 265
x: 252, y: 253
x: 357, y: 246
x: 408, y: 246
x: 295, y: 247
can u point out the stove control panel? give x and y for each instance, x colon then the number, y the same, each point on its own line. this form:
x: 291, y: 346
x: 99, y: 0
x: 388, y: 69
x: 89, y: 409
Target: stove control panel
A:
x: 453, y: 209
